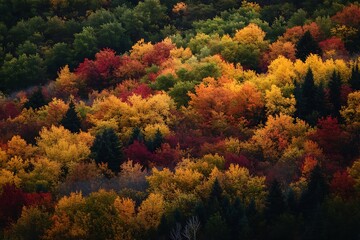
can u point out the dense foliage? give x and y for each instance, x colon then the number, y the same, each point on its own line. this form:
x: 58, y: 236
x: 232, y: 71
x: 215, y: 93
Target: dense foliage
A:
x: 179, y: 120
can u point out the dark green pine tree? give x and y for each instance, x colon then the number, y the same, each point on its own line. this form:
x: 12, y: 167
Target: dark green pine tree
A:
x: 335, y: 94
x: 320, y: 104
x: 136, y: 135
x: 299, y: 105
x: 354, y: 81
x: 315, y: 193
x: 308, y: 97
x: 36, y: 100
x: 107, y: 149
x: 275, y: 202
x: 307, y: 45
x: 71, y: 120
x: 155, y: 143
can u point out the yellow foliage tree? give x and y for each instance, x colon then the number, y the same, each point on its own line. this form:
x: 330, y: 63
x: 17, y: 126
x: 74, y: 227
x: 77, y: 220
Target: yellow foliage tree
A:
x: 276, y: 103
x: 60, y: 145
x: 150, y: 211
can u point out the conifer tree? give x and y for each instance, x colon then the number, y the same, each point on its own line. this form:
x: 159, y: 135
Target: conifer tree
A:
x: 275, y: 201
x: 71, y: 120
x: 307, y: 45
x: 354, y: 80
x: 107, y: 149
x: 315, y: 193
x: 36, y: 100
x: 335, y: 94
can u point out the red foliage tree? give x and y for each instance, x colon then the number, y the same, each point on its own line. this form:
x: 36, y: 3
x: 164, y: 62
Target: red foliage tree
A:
x: 139, y: 153
x: 342, y: 184
x: 332, y: 139
x: 334, y: 47
x: 349, y: 16
x: 158, y: 54
x: 9, y: 109
x: 12, y: 200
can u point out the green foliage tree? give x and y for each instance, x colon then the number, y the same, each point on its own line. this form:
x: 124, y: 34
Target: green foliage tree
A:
x: 22, y: 72
x: 85, y: 43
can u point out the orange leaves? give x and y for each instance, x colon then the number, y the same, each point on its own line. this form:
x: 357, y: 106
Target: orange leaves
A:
x: 349, y: 16
x: 225, y: 101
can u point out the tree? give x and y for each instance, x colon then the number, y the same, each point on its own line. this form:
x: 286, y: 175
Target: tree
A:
x: 107, y: 149
x: 335, y: 94
x: 315, y: 192
x: 354, y: 80
x: 85, y: 43
x: 36, y: 100
x: 22, y: 72
x: 275, y: 203
x: 307, y: 45
x: 71, y: 120
x: 31, y: 225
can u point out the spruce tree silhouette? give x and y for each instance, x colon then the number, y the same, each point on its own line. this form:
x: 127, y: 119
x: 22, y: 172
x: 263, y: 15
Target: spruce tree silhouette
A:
x: 71, y: 120
x: 307, y: 45
x: 107, y: 149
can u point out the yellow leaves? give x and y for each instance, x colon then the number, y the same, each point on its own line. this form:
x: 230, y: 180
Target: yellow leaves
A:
x: 238, y: 182
x: 187, y: 180
x: 44, y: 176
x: 283, y: 71
x: 151, y: 129
x: 181, y: 53
x: 322, y: 70
x: 344, y: 32
x: 7, y: 176
x: 126, y: 209
x: 151, y: 210
x: 354, y: 172
x: 151, y: 113
x: 60, y: 145
x: 251, y: 35
x: 66, y: 82
x: 69, y: 204
x: 276, y: 103
x: 351, y: 113
x: 140, y: 48
x: 278, y: 134
x: 18, y: 147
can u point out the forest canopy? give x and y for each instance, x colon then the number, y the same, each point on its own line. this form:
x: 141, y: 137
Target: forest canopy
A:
x: 179, y: 119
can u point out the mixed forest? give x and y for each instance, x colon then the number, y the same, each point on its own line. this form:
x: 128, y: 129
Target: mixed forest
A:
x: 193, y: 119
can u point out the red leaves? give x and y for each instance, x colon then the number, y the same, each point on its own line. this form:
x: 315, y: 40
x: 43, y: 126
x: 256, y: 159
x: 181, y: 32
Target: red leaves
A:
x: 349, y: 16
x: 342, y: 184
x: 158, y: 54
x: 334, y: 47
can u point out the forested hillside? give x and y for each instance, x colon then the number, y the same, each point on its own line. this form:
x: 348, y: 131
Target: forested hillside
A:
x: 179, y: 120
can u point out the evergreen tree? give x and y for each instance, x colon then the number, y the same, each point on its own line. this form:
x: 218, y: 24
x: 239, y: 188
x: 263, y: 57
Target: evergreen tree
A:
x: 216, y: 228
x: 107, y: 149
x: 335, y: 94
x: 36, y: 100
x: 315, y: 193
x: 275, y: 201
x: 307, y: 45
x: 354, y: 81
x: 71, y: 120
x: 136, y: 135
x: 320, y: 102
x: 155, y: 143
